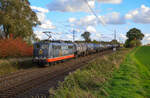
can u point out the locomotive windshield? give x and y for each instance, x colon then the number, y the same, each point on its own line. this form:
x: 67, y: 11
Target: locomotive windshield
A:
x: 37, y: 46
x: 40, y: 50
x: 44, y: 46
x: 41, y: 46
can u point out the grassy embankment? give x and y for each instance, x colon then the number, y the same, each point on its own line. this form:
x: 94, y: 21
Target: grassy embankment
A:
x: 12, y: 65
x: 131, y: 80
x: 88, y: 82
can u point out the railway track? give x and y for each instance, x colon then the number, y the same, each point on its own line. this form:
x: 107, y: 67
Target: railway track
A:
x: 18, y: 83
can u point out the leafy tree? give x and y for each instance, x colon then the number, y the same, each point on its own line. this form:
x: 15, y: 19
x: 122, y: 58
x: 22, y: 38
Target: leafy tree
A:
x: 95, y: 41
x: 127, y: 43
x: 135, y: 34
x: 114, y: 42
x: 134, y: 37
x: 17, y: 18
x: 31, y: 39
x: 86, y: 36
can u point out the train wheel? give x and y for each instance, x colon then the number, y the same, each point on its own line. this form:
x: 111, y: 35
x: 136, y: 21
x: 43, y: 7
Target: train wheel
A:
x: 46, y: 64
x: 62, y: 61
x: 83, y: 53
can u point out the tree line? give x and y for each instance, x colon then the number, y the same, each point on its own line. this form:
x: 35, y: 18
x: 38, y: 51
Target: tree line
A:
x: 134, y: 37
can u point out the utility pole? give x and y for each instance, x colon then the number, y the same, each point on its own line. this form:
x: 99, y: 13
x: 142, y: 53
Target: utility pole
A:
x: 73, y: 35
x: 100, y: 40
x: 115, y: 35
x: 114, y: 49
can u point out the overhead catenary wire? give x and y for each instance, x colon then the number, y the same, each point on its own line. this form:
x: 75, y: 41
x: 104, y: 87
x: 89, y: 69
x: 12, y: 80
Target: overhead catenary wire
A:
x: 99, y: 19
x: 95, y: 14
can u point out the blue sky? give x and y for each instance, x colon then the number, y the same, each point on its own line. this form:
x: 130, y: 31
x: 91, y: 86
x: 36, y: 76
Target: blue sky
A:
x: 63, y: 16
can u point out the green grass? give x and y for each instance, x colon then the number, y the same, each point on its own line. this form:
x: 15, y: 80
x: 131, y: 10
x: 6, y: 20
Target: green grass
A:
x: 132, y: 80
x: 89, y: 82
x: 143, y: 56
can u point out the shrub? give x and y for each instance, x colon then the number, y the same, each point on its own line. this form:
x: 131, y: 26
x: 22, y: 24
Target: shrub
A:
x: 14, y: 48
x: 132, y: 43
x: 135, y: 43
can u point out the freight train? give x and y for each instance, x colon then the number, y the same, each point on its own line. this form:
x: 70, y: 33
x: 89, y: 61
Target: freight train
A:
x: 49, y: 52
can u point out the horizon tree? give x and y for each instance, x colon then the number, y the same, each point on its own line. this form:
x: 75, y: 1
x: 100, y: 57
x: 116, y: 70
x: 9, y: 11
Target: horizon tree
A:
x: 114, y: 41
x: 134, y: 36
x: 86, y: 36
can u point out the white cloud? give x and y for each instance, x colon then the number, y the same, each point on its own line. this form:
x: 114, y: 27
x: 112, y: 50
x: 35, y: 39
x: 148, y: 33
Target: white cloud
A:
x: 146, y: 39
x: 39, y: 34
x: 110, y: 1
x: 90, y: 22
x: 39, y: 9
x: 76, y: 5
x: 122, y: 36
x: 140, y: 15
x: 47, y: 24
x: 41, y: 14
x: 86, y: 21
x: 69, y: 37
x: 71, y: 20
x: 114, y: 18
x: 70, y: 5
x: 96, y: 36
x: 91, y: 29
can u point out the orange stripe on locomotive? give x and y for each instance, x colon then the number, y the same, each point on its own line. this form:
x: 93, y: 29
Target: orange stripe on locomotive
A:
x: 60, y: 58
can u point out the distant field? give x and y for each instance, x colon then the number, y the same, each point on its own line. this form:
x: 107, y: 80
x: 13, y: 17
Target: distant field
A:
x: 143, y: 55
x: 132, y: 80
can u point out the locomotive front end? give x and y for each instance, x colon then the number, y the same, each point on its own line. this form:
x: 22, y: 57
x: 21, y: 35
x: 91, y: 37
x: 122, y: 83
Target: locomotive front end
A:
x: 40, y: 53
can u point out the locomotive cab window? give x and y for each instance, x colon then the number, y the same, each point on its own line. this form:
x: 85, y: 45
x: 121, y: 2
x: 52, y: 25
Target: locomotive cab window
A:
x: 44, y: 46
x: 56, y: 47
x: 37, y: 46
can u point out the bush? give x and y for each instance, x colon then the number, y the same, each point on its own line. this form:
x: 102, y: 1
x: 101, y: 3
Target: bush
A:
x: 132, y: 43
x: 14, y: 48
x: 135, y: 43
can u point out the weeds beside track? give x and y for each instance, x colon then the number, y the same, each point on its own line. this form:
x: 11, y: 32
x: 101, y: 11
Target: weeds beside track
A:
x: 88, y: 83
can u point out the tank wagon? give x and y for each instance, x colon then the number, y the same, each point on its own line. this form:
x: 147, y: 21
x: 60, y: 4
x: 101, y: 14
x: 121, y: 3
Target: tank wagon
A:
x: 46, y: 52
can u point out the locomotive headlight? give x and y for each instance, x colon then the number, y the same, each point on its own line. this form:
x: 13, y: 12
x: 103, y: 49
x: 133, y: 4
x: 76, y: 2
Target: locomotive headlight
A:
x: 40, y: 52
